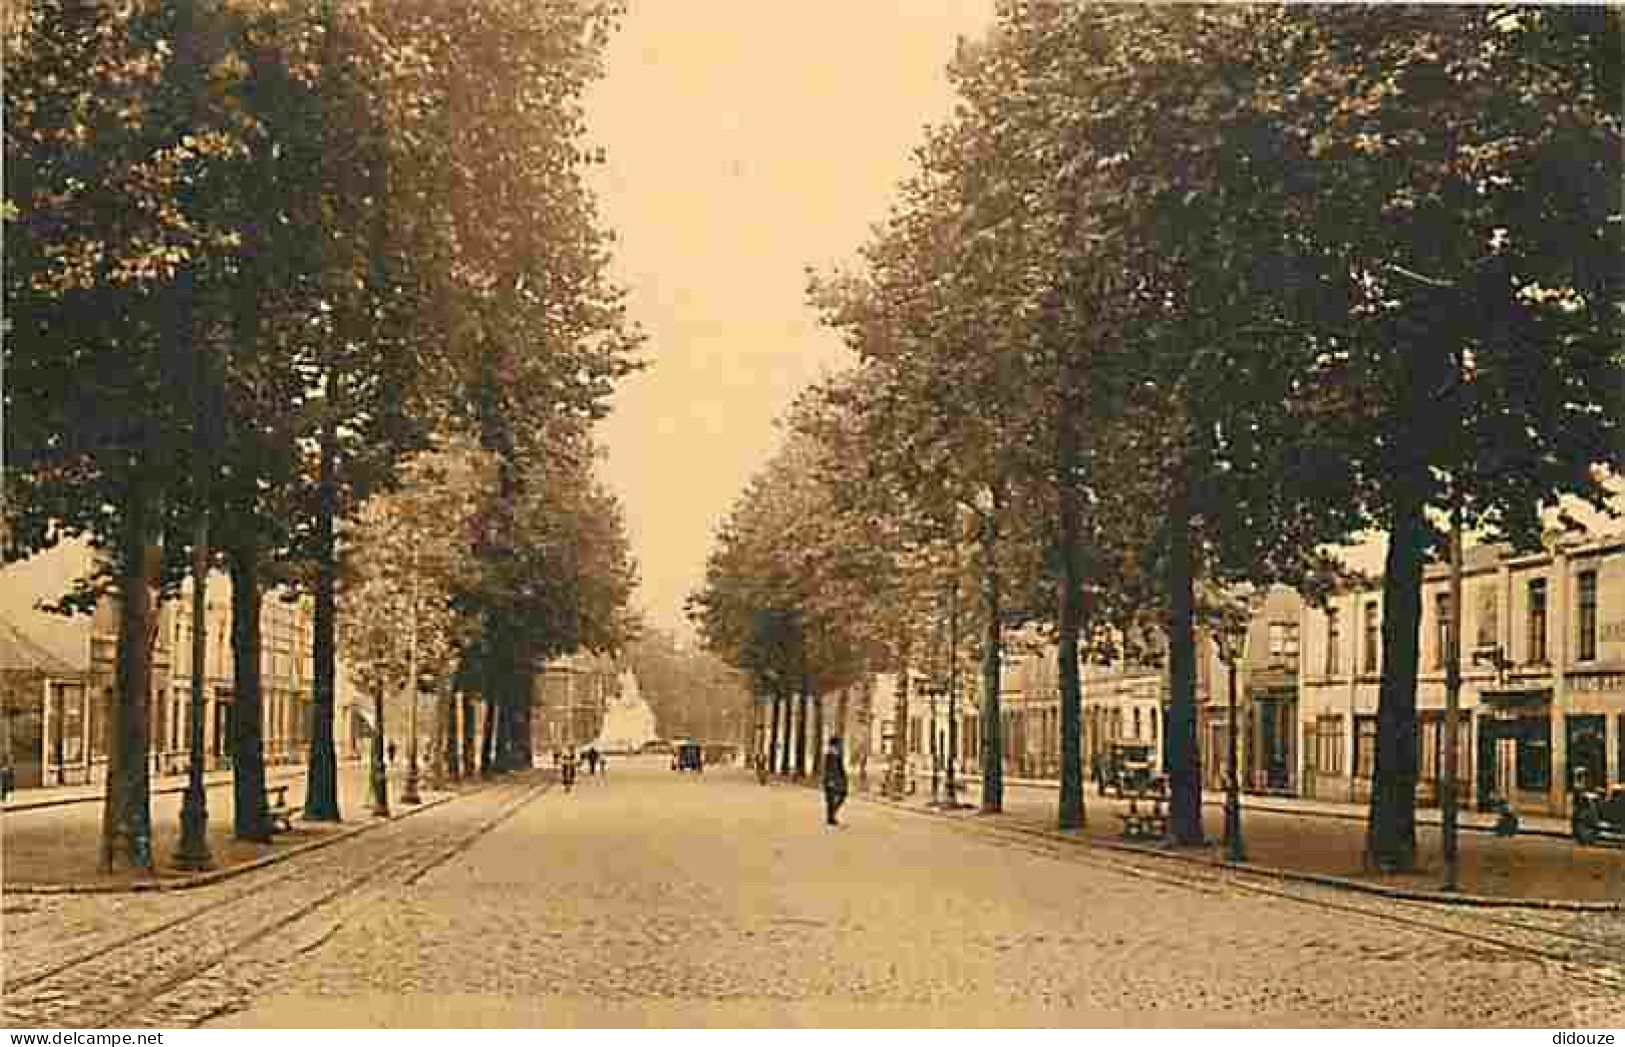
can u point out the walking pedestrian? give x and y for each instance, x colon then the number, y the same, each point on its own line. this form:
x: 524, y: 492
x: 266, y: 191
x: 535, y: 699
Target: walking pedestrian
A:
x: 391, y: 754
x: 567, y: 770
x: 834, y: 781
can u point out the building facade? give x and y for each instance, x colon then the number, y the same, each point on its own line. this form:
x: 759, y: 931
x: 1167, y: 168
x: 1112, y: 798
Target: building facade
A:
x: 57, y: 677
x: 1543, y: 688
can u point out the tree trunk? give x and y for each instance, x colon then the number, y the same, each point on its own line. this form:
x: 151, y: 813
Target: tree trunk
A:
x: 377, y: 772
x: 1070, y: 813
x: 773, y: 747
x: 322, y: 776
x: 800, y: 745
x: 519, y: 750
x: 445, y: 733
x: 127, y: 806
x: 897, y: 770
x: 249, y: 820
x: 488, y: 742
x: 1184, y: 757
x: 840, y: 719
x: 992, y: 640
x: 453, y: 745
x: 1390, y: 844
x: 469, y: 735
x: 817, y: 744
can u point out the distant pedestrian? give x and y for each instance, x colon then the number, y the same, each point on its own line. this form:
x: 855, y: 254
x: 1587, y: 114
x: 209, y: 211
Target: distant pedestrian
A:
x: 834, y: 781
x: 592, y: 760
x: 390, y: 755
x: 567, y: 770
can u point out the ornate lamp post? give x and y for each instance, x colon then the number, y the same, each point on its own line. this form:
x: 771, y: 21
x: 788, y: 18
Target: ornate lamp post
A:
x: 1232, y: 641
x: 193, y: 850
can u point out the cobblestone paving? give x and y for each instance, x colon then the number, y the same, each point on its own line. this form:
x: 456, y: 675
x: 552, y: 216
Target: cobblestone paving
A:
x: 662, y: 899
x: 106, y: 959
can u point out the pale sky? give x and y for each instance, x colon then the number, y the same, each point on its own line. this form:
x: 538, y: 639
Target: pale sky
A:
x: 746, y: 141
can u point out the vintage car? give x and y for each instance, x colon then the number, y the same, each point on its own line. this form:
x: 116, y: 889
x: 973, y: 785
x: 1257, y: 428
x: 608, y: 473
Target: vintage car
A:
x: 1599, y: 817
x: 687, y: 756
x: 1127, y: 768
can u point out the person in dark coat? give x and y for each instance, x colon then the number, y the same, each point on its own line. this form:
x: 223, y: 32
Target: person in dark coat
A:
x: 834, y: 781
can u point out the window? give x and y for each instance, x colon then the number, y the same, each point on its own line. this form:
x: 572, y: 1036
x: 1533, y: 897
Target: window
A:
x: 1588, y: 616
x: 1441, y: 629
x: 1365, y: 746
x: 1334, y: 641
x: 1488, y: 617
x: 1537, y: 621
x: 1283, y: 643
x: 1329, y: 744
x: 1371, y: 637
x: 914, y: 735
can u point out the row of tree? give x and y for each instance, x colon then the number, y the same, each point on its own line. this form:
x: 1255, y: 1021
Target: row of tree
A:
x: 691, y: 693
x: 260, y: 256
x: 1181, y: 298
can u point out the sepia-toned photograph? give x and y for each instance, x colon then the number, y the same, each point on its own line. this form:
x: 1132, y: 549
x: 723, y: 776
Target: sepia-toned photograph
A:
x: 872, y: 514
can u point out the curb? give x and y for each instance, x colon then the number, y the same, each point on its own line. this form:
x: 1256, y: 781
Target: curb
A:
x: 1409, y: 894
x: 213, y: 876
x: 1347, y: 816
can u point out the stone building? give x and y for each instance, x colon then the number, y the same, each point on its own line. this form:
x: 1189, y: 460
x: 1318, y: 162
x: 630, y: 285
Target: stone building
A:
x: 57, y: 676
x: 1543, y: 689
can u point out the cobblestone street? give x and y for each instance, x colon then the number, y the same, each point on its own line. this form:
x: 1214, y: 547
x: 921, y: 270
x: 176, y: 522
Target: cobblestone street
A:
x: 659, y: 899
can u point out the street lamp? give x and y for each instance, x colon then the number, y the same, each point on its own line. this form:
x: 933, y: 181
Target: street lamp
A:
x: 1232, y: 641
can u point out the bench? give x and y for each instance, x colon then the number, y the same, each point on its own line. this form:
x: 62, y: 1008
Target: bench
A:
x: 1144, y: 825
x: 277, y: 809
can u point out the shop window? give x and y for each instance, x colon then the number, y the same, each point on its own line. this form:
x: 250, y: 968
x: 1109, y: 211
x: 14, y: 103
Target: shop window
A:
x: 1365, y: 746
x: 1136, y: 722
x: 1430, y: 743
x: 1588, y: 616
x: 1587, y: 749
x: 1537, y: 621
x: 66, y: 738
x: 1535, y: 759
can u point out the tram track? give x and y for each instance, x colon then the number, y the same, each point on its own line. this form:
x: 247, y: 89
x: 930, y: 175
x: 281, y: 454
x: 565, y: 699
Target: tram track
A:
x: 113, y: 983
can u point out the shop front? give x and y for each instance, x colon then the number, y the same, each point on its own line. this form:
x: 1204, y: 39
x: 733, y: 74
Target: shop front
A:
x: 1515, y: 748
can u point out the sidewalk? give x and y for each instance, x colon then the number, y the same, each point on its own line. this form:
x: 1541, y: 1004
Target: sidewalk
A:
x: 1469, y: 819
x: 53, y: 841
x: 1327, y: 839
x: 61, y: 795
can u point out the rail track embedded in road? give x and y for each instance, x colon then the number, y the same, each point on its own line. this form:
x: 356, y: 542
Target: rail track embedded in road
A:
x: 110, y: 985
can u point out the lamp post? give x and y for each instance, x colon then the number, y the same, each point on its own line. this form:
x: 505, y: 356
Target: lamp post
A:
x: 1232, y: 639
x: 192, y: 853
x: 1452, y: 707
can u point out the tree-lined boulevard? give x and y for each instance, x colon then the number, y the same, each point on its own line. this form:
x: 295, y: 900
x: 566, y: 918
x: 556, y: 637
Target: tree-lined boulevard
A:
x: 1176, y: 306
